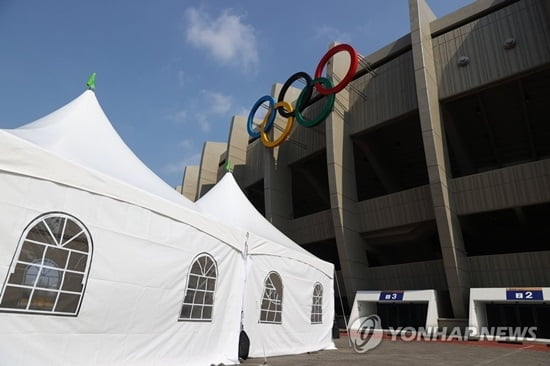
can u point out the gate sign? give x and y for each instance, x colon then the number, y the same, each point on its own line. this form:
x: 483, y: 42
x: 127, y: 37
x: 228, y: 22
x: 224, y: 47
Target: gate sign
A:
x: 524, y: 294
x: 391, y: 296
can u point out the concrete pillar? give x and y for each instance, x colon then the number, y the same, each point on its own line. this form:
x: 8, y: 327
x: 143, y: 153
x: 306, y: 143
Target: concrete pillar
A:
x: 237, y: 143
x: 190, y: 182
x: 450, y: 235
x: 342, y: 185
x: 208, y: 171
x: 277, y: 174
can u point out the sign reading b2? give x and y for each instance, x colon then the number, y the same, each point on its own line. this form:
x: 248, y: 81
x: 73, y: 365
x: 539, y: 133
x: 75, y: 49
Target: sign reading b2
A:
x: 524, y: 294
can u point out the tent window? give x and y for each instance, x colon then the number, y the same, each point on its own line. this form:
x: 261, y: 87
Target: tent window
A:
x: 272, y: 301
x: 49, y: 271
x: 317, y: 306
x: 199, y: 295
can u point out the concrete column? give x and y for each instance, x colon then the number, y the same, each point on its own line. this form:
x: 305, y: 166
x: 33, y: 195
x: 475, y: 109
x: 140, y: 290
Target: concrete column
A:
x: 277, y: 176
x: 342, y: 185
x: 237, y: 143
x: 450, y: 235
x: 208, y: 171
x: 190, y: 182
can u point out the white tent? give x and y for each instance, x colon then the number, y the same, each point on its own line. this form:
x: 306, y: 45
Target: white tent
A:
x: 289, y: 297
x: 101, y: 262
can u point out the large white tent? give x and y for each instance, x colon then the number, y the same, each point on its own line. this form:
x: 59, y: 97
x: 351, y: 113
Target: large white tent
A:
x: 289, y: 297
x: 101, y: 262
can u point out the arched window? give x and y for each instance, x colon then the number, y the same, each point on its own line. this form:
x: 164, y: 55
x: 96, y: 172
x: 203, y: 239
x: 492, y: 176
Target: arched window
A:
x: 317, y: 305
x: 272, y: 301
x: 199, y: 295
x: 49, y: 271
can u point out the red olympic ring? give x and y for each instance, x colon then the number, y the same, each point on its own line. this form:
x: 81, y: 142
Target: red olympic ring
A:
x: 354, y: 61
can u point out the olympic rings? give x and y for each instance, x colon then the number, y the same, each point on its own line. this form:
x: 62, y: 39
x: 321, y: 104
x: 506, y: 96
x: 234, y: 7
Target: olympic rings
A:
x: 326, y: 111
x: 259, y: 102
x: 354, y: 61
x: 287, y: 130
x: 287, y: 84
x: 323, y: 86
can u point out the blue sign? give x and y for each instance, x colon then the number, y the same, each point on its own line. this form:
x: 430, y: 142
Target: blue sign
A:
x: 391, y: 296
x: 527, y: 294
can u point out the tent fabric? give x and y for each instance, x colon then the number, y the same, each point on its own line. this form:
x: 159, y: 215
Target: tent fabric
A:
x: 144, y: 240
x: 21, y: 157
x: 296, y: 334
x: 81, y: 132
x: 135, y: 287
x: 237, y: 210
x: 270, y: 250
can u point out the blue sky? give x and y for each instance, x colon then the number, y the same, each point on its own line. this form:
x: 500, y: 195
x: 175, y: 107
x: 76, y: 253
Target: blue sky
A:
x: 171, y: 73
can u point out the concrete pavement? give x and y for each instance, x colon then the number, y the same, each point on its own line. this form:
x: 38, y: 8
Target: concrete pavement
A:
x: 419, y: 353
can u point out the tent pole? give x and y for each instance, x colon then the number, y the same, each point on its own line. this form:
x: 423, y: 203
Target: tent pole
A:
x: 245, y: 262
x: 342, y: 306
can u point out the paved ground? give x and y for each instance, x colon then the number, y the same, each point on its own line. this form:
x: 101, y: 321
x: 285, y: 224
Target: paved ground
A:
x: 419, y: 353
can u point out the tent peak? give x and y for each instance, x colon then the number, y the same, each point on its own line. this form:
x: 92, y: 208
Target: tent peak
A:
x: 91, y: 82
x: 228, y: 167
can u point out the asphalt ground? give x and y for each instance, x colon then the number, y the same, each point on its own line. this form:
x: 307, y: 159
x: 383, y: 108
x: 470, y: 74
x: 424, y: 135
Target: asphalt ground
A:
x: 399, y: 352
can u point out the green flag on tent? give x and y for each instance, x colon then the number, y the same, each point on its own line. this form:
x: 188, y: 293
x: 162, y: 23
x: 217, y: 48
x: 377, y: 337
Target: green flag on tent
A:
x: 228, y: 166
x: 91, y: 82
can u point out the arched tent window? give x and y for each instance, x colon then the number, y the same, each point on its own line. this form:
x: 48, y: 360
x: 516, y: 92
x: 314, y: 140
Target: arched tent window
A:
x: 317, y: 305
x: 272, y: 301
x: 199, y: 294
x: 49, y: 271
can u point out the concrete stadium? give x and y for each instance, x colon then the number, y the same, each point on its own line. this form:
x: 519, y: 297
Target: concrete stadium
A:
x: 431, y: 171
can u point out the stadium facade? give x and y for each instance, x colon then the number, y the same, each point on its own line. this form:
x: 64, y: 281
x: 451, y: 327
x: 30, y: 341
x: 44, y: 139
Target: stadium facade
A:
x: 432, y: 170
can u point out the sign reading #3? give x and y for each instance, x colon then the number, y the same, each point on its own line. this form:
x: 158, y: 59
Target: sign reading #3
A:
x: 323, y: 85
x: 391, y: 296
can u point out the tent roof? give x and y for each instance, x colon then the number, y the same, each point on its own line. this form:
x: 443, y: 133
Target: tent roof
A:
x: 77, y: 146
x: 81, y: 132
x: 227, y: 202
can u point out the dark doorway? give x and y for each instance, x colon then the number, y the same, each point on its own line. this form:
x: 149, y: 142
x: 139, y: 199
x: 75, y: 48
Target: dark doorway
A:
x: 397, y: 315
x: 520, y: 315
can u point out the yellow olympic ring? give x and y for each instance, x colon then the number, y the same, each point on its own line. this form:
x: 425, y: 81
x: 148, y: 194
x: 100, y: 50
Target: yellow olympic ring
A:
x: 286, y: 132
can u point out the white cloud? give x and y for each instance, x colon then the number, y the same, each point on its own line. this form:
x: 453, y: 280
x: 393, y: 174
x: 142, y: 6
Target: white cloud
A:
x: 226, y: 37
x: 332, y: 34
x: 202, y: 120
x: 211, y: 104
x: 218, y: 102
x: 186, y: 144
x: 178, y: 117
x: 190, y: 157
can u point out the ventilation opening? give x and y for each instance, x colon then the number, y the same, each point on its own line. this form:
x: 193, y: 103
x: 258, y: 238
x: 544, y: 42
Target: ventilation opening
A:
x: 397, y: 315
x: 506, y: 124
x: 310, y: 188
x: 520, y: 315
x: 404, y: 244
x: 390, y: 158
x: 255, y: 194
x: 521, y: 229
